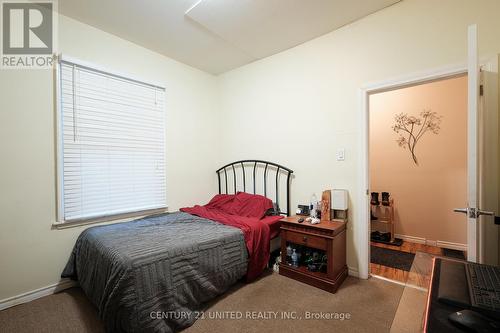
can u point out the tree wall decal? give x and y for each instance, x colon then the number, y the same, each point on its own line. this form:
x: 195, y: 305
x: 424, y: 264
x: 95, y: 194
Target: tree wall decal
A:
x: 411, y: 129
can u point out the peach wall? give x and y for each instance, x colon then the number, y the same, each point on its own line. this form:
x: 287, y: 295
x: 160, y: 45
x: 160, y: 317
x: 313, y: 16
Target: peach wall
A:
x: 424, y: 195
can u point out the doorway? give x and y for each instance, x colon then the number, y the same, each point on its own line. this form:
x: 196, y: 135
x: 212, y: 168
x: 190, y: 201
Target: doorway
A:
x: 418, y: 174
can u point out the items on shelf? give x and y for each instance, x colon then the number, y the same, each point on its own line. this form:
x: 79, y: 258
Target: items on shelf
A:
x: 316, y: 263
x: 378, y: 236
x: 326, y: 205
x: 295, y: 259
x: 332, y: 206
x: 340, y: 205
x: 313, y: 259
x: 303, y: 210
x: 315, y: 210
x: 313, y: 206
x: 313, y: 220
x: 385, y: 199
x: 383, y: 214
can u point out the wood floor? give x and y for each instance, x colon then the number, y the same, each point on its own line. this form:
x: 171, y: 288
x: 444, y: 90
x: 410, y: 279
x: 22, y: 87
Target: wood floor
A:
x: 418, y: 276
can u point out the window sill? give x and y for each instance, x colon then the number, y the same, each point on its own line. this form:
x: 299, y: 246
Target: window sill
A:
x: 108, y: 219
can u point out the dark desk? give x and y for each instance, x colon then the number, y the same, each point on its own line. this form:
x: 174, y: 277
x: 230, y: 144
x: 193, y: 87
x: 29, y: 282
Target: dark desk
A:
x: 436, y: 316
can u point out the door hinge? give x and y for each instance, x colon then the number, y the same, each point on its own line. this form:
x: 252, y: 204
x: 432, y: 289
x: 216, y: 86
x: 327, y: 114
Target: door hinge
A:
x: 481, y: 90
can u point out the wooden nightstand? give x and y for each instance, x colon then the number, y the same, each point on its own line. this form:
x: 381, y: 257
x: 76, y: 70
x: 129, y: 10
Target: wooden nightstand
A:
x: 328, y: 236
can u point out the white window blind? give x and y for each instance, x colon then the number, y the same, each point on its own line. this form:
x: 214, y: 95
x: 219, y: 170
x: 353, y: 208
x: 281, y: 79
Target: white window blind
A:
x: 113, y: 144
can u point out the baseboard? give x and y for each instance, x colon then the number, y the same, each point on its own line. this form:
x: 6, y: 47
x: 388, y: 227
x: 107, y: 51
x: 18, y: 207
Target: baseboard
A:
x: 438, y: 243
x: 411, y: 239
x: 37, y: 293
x: 431, y: 242
x: 352, y: 271
x: 453, y: 246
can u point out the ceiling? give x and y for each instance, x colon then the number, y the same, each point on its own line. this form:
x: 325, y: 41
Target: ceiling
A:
x: 219, y: 35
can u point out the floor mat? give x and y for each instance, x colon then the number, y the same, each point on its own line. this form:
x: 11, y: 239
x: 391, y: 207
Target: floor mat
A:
x: 457, y: 254
x: 392, y: 258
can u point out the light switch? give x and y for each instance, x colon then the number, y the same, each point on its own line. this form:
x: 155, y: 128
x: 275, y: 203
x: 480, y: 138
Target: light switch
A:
x: 341, y: 154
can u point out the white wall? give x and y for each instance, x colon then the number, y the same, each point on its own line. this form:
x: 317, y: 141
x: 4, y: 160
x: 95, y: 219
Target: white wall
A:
x: 298, y: 107
x: 32, y: 255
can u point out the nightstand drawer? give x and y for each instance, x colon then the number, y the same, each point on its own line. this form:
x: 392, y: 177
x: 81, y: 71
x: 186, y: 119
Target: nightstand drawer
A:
x: 306, y: 239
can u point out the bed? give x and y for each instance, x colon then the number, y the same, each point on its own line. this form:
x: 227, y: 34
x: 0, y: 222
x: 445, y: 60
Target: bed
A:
x: 153, y: 274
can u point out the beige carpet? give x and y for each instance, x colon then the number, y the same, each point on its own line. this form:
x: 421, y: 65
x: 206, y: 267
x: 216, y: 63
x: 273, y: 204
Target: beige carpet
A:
x: 371, y: 305
x: 67, y: 311
x: 411, y: 310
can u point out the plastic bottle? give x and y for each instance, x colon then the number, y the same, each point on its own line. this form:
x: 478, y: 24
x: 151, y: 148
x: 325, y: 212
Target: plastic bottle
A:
x: 313, y: 206
x: 295, y: 259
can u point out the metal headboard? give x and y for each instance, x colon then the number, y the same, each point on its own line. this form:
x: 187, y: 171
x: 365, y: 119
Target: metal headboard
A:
x: 256, y: 164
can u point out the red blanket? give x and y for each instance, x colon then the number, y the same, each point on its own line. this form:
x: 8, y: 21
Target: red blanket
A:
x: 256, y: 233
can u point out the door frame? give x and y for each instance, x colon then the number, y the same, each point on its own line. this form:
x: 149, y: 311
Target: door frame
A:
x: 362, y: 234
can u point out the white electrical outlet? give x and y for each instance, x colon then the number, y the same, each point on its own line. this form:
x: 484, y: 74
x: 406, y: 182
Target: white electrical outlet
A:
x: 341, y: 154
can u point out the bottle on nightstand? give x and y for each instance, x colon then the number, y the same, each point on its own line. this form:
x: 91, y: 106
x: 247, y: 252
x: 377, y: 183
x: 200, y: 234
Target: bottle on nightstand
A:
x: 295, y: 259
x: 313, y: 206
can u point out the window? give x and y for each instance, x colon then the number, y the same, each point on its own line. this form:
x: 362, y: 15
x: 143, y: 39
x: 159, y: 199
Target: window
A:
x: 111, y: 144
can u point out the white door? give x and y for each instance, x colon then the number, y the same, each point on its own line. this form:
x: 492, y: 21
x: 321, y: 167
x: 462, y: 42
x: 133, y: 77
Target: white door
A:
x: 473, y: 210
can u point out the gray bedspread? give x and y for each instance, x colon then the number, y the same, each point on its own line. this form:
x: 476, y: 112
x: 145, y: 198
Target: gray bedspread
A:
x: 149, y: 275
